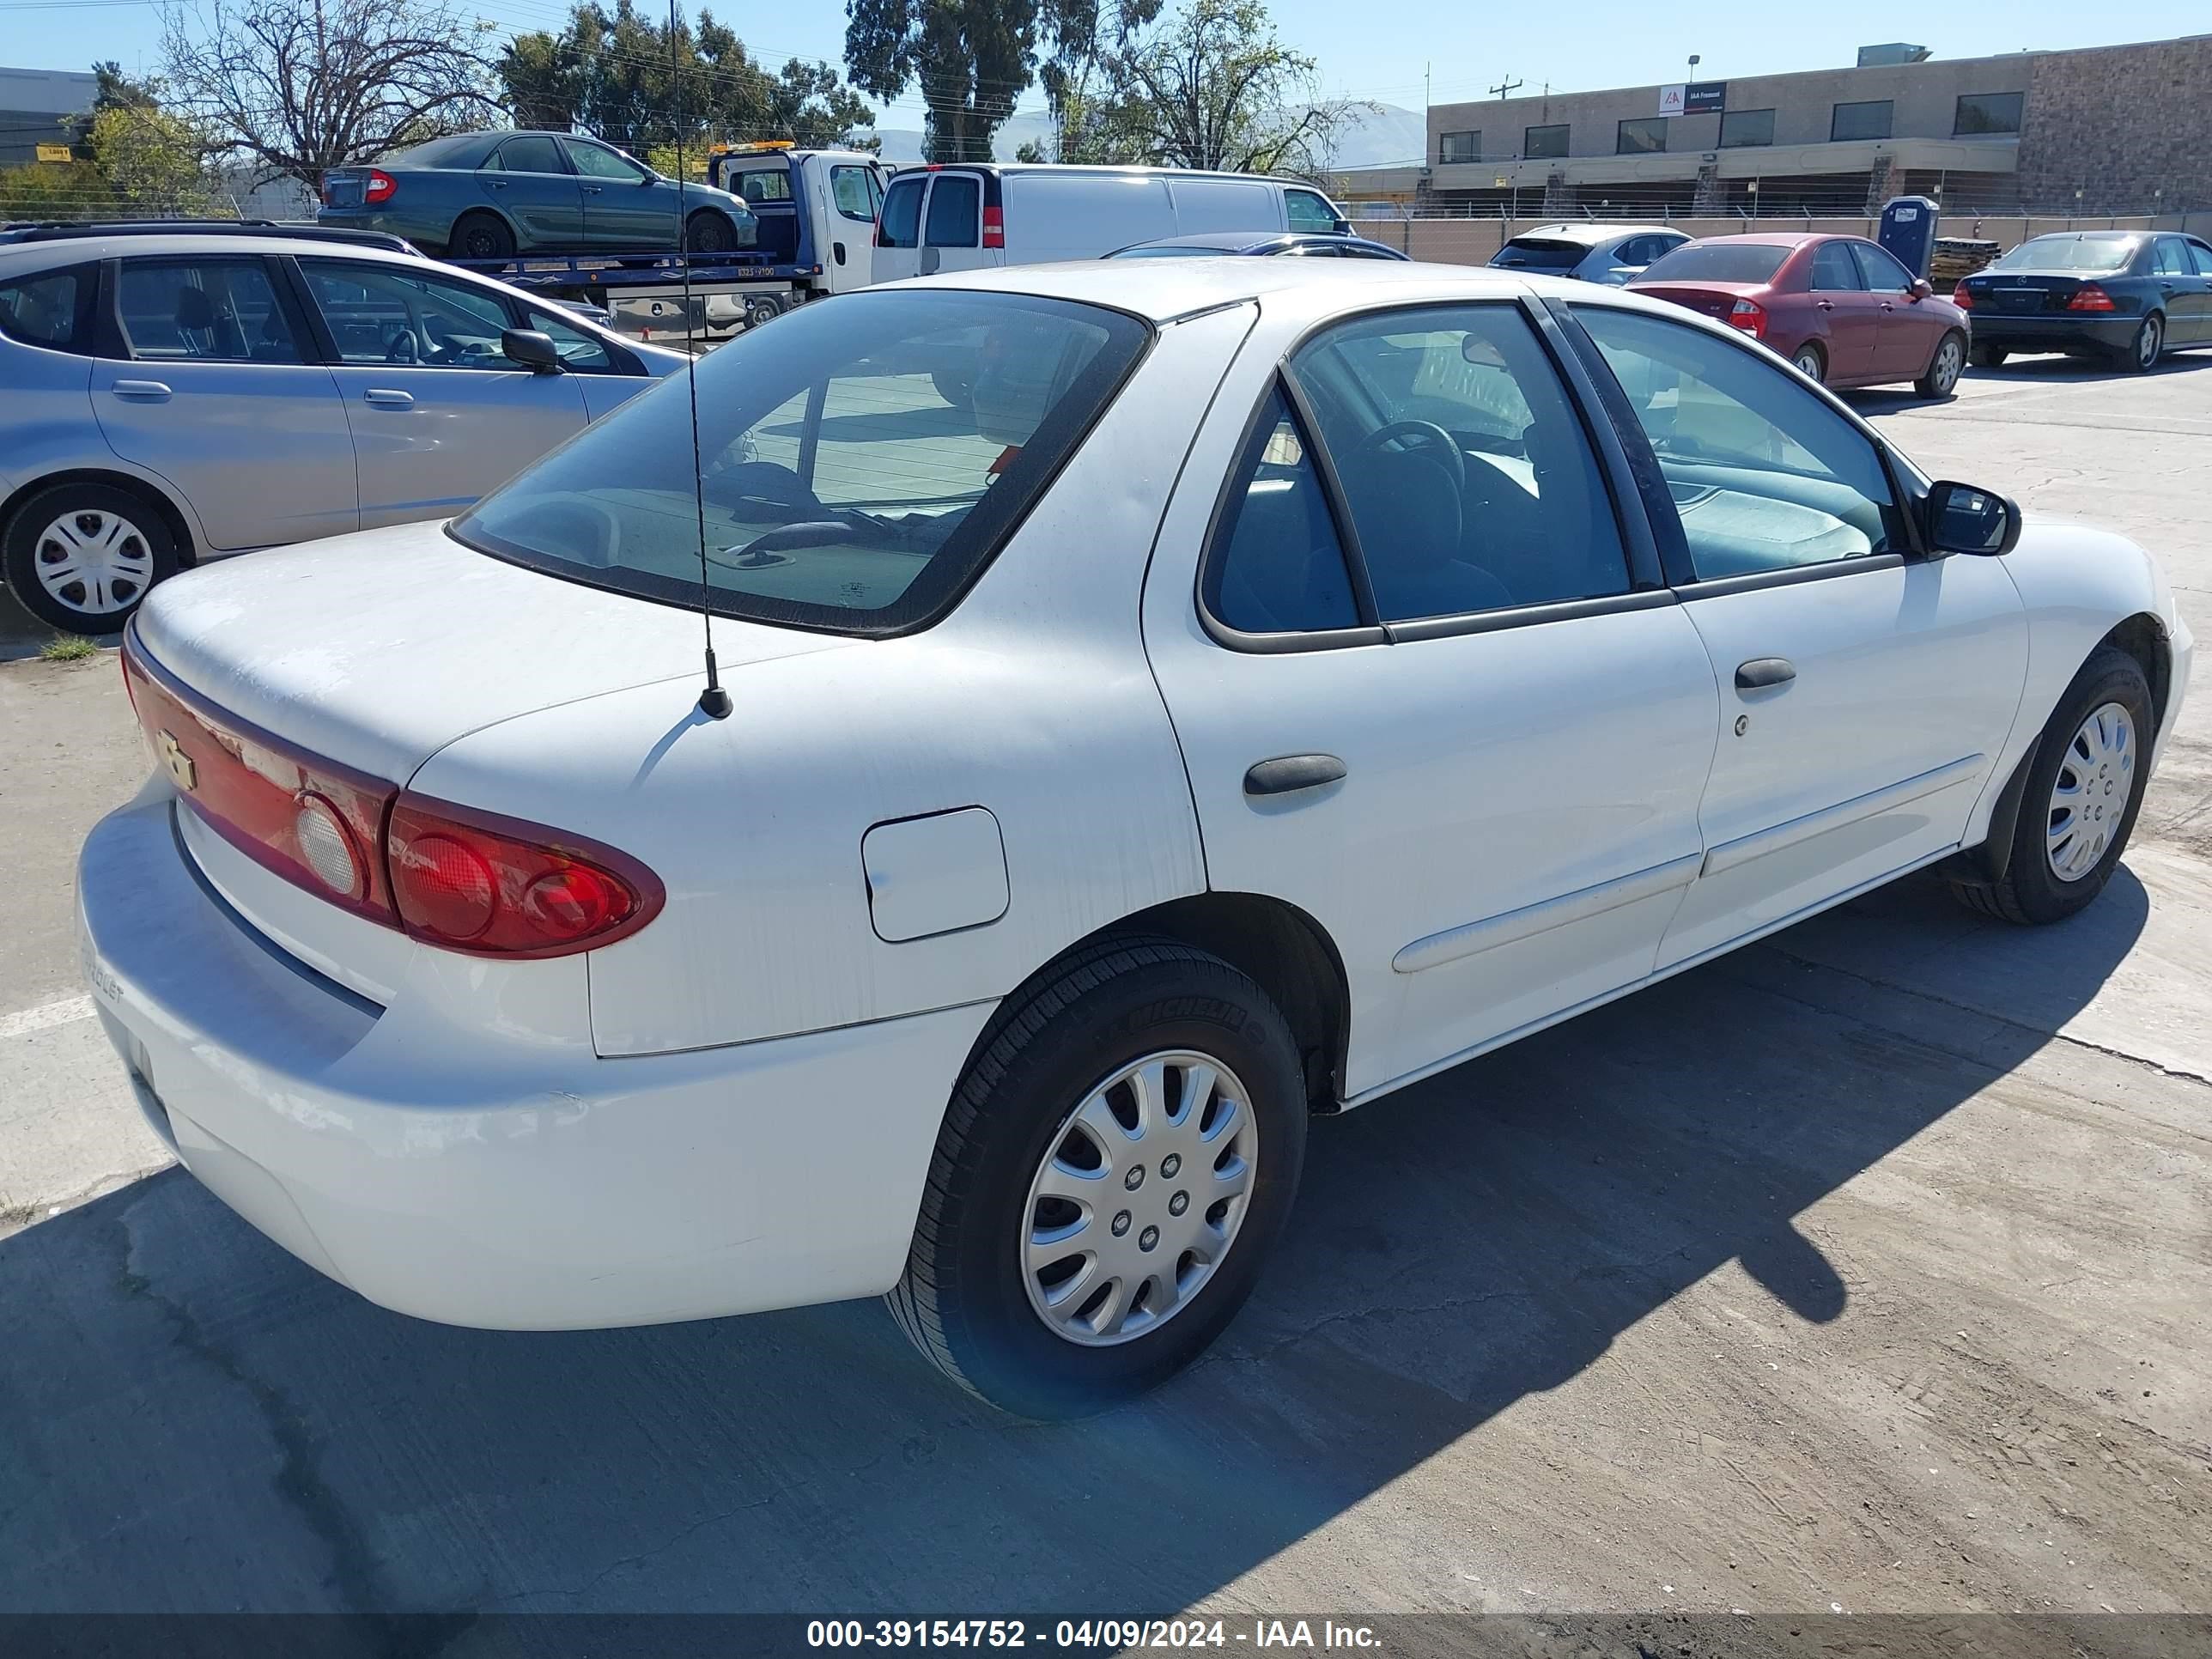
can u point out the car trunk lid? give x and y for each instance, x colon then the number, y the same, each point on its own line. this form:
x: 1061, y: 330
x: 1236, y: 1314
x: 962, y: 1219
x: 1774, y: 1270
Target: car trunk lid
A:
x: 2023, y: 293
x: 1711, y: 298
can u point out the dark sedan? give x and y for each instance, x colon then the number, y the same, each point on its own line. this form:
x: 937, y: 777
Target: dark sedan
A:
x: 2127, y: 296
x: 492, y: 195
x: 1235, y: 243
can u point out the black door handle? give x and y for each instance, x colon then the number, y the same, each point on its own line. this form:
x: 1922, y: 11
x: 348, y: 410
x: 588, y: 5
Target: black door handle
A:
x: 1762, y: 672
x: 1286, y: 773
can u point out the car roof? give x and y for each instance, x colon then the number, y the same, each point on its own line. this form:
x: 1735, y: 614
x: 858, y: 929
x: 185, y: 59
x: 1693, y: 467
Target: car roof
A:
x: 1592, y: 235
x: 1782, y: 238
x: 82, y: 250
x: 1162, y: 290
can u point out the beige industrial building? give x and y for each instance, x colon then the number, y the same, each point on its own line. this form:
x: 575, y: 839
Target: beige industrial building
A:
x: 2115, y: 130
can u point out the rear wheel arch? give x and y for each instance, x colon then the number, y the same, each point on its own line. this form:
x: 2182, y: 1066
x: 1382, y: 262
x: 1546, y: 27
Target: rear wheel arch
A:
x: 1283, y: 950
x: 173, y: 518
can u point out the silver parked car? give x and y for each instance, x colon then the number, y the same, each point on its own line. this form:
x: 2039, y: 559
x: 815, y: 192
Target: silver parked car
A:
x: 1612, y: 254
x: 169, y: 394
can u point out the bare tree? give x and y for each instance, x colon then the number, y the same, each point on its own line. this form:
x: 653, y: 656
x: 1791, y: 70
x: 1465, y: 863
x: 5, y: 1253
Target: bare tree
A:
x: 300, y: 87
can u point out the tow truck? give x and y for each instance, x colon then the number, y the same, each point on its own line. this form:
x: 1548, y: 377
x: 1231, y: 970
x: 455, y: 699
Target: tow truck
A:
x: 817, y: 211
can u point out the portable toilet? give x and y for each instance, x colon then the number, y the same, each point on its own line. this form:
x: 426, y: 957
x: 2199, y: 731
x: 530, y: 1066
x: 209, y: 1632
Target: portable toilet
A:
x: 1908, y: 230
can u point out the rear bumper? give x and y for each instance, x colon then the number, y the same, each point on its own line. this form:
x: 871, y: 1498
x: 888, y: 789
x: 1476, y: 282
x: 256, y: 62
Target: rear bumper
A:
x: 2084, y: 333
x: 503, y: 1185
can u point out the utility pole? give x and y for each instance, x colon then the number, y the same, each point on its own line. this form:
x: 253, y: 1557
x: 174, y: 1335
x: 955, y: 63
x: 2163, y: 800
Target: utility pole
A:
x: 1510, y: 86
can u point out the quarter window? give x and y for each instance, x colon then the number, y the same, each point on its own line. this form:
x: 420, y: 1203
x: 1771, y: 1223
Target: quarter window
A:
x: 1469, y: 477
x: 1763, y: 475
x: 1743, y: 128
x: 1277, y: 565
x: 1541, y: 143
x: 1459, y: 147
x: 1637, y: 137
x: 955, y: 204
x: 390, y: 314
x: 1982, y: 113
x: 1860, y: 121
x: 211, y: 311
x: 52, y: 309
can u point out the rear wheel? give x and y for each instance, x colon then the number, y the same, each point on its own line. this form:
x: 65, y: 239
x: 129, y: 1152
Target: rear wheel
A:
x: 2142, y: 353
x: 709, y: 232
x: 1988, y: 356
x: 1810, y: 362
x: 80, y: 557
x: 1112, y: 1172
x: 481, y: 236
x: 2084, y: 788
x: 1943, y: 368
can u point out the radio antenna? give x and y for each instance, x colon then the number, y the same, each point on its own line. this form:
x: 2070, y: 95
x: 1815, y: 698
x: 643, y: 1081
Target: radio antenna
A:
x: 713, y: 700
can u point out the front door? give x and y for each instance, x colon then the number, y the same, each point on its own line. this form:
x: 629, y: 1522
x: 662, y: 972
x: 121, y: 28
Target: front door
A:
x: 527, y: 181
x: 848, y: 197
x: 1416, y: 694
x: 952, y: 224
x: 439, y: 415
x: 1865, y: 692
x: 625, y: 206
x: 1907, y: 332
x: 219, y: 398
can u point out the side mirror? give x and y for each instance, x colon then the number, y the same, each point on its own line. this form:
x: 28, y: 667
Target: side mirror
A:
x: 533, y: 348
x: 1922, y: 289
x: 1960, y: 519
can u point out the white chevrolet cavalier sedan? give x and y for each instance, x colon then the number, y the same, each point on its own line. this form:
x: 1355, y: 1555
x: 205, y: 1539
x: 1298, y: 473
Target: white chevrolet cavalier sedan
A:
x: 1167, y: 699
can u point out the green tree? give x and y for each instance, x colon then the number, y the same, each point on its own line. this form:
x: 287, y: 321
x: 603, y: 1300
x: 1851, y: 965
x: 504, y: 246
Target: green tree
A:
x: 971, y: 58
x: 154, y: 162
x: 52, y: 190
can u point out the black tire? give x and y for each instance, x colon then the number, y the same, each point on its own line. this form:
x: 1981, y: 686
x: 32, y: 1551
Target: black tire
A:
x: 1987, y: 356
x: 954, y: 387
x: 1812, y: 362
x: 709, y: 232
x: 965, y: 1301
x: 1942, y: 379
x: 26, y: 546
x: 2031, y: 893
x: 2141, y: 354
x: 480, y: 235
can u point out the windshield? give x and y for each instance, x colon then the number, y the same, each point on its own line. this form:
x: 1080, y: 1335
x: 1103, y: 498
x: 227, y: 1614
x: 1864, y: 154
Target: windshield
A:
x: 2098, y: 253
x: 1718, y: 262
x: 1170, y: 252
x: 1539, y: 253
x: 859, y: 461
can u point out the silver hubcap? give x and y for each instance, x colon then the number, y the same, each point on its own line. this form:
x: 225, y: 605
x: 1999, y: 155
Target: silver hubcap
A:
x: 1140, y: 1198
x: 93, y: 562
x: 2147, y: 342
x: 1808, y: 364
x: 2091, y: 796
x: 1947, y: 366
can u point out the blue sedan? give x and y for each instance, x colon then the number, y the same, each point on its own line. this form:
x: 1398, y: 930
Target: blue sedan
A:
x: 1217, y: 244
x: 2128, y: 297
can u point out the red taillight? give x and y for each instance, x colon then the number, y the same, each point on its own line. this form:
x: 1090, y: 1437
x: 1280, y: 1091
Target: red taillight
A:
x: 2091, y: 298
x: 447, y: 875
x: 1749, y: 316
x: 1963, y: 297
x: 324, y: 194
x: 379, y: 186
x: 994, y: 227
x: 494, y: 886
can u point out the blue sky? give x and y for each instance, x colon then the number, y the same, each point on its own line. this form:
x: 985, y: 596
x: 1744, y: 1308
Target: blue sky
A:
x: 1377, y: 54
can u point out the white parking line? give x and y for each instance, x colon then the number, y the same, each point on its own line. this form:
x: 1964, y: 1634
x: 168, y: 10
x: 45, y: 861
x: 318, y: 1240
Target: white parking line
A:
x: 64, y: 1011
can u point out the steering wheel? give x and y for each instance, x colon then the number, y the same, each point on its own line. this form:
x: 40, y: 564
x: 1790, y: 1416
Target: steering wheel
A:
x: 1422, y: 435
x: 763, y: 484
x: 402, y: 348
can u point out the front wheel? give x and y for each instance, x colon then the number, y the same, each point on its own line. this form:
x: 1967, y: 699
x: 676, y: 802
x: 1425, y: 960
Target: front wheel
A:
x: 1809, y: 362
x: 2084, y: 788
x: 80, y: 557
x: 2142, y: 353
x: 709, y: 232
x: 1112, y: 1173
x: 1943, y: 368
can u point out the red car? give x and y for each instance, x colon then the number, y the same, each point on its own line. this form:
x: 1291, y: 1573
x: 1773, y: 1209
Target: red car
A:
x: 1839, y: 307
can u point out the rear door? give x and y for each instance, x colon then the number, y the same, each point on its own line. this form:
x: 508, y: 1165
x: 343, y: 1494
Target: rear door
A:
x: 952, y: 224
x: 219, y: 394
x: 438, y: 413
x: 624, y: 205
x: 898, y: 231
x: 1845, y: 319
x: 529, y: 183
x: 2186, y: 295
x: 1907, y: 332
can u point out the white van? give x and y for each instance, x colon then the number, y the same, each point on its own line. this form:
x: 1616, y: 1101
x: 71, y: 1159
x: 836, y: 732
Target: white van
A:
x: 970, y: 217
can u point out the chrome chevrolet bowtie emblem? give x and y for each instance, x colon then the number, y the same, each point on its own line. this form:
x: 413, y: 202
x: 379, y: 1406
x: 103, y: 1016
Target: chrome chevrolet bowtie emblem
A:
x: 176, y: 762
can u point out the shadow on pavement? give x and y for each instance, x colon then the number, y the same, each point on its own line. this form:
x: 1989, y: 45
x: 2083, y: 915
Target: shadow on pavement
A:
x: 195, y: 1421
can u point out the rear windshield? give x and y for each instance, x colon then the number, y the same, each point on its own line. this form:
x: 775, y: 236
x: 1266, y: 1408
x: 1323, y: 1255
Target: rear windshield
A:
x: 1540, y: 253
x: 1718, y: 262
x: 1182, y: 252
x: 859, y: 463
x: 2098, y: 253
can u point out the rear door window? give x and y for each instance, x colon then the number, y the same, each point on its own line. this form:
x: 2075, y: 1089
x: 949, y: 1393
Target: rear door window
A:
x: 202, y: 311
x: 1834, y: 271
x: 52, y: 309
x: 538, y: 154
x: 2171, y: 258
x: 901, y: 224
x: 955, y: 211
